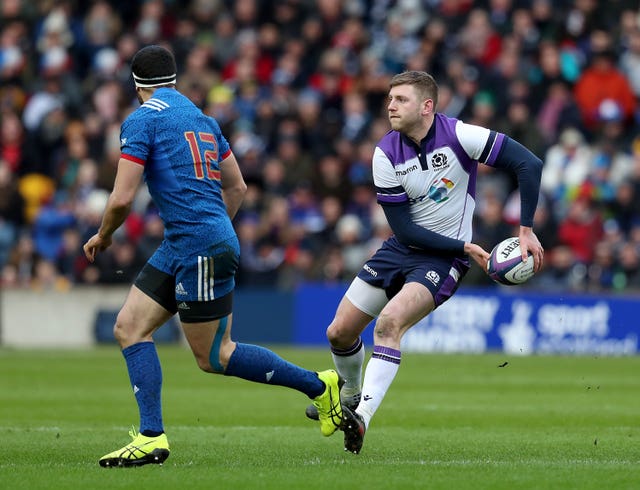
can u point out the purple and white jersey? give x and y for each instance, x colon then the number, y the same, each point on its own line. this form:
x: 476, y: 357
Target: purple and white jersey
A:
x: 437, y: 178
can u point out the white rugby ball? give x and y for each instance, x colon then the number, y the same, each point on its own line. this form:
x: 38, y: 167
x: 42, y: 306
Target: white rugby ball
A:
x: 505, y: 263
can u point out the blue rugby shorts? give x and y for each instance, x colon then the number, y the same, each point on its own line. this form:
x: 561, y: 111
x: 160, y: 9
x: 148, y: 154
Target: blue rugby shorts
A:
x: 199, y: 286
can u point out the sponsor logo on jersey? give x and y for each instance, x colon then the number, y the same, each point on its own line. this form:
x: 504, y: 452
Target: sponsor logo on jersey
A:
x: 180, y: 290
x: 433, y: 277
x: 439, y: 190
x: 370, y: 270
x: 406, y: 171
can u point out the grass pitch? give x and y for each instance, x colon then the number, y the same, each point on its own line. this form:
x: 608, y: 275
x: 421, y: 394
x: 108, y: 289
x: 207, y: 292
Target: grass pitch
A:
x: 449, y: 421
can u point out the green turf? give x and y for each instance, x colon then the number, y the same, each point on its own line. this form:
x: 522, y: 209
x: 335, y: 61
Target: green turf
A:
x: 451, y: 422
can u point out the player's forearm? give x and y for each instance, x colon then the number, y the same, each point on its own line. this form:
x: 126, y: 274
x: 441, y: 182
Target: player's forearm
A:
x: 233, y: 185
x: 114, y: 215
x: 232, y: 198
x: 528, y: 170
x: 412, y: 235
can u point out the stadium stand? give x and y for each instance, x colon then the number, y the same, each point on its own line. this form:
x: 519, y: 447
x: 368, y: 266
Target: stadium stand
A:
x: 300, y: 88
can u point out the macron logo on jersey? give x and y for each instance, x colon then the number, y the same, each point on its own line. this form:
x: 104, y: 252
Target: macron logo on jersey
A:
x: 155, y: 104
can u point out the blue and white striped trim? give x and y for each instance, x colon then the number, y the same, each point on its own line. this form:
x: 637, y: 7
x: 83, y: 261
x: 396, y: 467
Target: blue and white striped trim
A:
x: 205, y: 279
x: 155, y: 104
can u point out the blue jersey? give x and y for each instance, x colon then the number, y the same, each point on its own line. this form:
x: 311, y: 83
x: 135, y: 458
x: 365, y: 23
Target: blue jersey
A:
x: 181, y: 149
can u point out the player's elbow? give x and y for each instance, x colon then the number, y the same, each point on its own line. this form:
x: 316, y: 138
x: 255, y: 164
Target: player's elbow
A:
x: 403, y: 235
x: 237, y: 188
x: 241, y: 188
x: 536, y: 165
x: 120, y: 202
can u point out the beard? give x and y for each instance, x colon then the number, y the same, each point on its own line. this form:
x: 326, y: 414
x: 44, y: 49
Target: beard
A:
x: 404, y: 124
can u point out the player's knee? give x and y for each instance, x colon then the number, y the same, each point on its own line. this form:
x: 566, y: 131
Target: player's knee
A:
x: 123, y: 328
x: 387, y: 327
x: 218, y: 358
x: 204, y: 364
x: 339, y: 335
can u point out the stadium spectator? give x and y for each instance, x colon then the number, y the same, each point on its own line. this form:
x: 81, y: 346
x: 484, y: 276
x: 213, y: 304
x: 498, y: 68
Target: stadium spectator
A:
x: 11, y: 211
x: 561, y: 271
x: 349, y: 238
x: 13, y: 149
x: 70, y: 261
x: 567, y: 165
x: 50, y: 223
x: 582, y: 226
x: 517, y: 121
x: 20, y: 268
x: 601, y: 272
x: 557, y: 112
x: 490, y: 227
x: 623, y: 209
x: 480, y: 43
x: 602, y: 81
x: 630, y: 60
x: 628, y: 267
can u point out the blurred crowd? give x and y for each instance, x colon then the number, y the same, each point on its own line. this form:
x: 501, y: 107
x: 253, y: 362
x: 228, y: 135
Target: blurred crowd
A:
x: 299, y: 88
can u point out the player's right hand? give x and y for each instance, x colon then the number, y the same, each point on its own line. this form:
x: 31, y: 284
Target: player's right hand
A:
x: 478, y: 254
x: 94, y: 245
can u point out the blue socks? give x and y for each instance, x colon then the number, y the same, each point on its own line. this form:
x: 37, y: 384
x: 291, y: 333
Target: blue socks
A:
x: 255, y: 363
x: 145, y: 375
x: 249, y: 362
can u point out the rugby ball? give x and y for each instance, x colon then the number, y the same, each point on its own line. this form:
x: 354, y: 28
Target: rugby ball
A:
x: 505, y: 264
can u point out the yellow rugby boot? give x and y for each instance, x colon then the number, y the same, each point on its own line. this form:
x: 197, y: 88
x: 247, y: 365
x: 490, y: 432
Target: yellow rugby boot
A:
x: 142, y: 450
x: 328, y: 403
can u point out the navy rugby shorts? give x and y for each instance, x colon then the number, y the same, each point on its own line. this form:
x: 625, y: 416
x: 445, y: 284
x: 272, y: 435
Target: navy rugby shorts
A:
x: 395, y: 264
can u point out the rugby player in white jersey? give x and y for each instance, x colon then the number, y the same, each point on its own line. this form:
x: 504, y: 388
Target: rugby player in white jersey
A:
x: 424, y: 172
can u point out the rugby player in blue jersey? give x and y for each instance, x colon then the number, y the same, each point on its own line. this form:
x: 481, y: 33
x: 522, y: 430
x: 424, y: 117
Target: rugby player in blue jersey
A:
x: 424, y: 172
x: 195, y: 182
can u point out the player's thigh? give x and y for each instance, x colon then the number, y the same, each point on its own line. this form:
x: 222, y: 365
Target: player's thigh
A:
x: 356, y: 310
x: 204, y: 294
x: 210, y: 342
x: 139, y: 317
x: 413, y: 302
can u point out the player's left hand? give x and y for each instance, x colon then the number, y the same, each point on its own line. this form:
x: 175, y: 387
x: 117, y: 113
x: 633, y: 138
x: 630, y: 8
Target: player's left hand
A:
x: 94, y: 245
x: 529, y: 243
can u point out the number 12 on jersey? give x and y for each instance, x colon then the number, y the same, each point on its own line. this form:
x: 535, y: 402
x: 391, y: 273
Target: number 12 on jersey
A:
x: 210, y: 156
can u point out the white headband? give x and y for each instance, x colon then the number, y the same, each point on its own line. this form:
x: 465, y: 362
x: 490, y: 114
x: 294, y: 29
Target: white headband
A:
x: 154, y: 81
